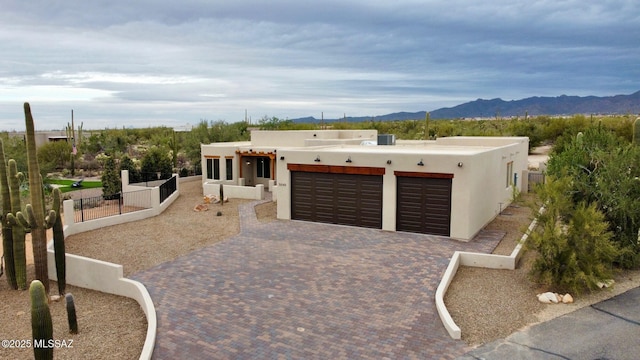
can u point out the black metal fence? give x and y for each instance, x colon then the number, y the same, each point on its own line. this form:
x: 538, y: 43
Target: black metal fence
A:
x: 97, y: 207
x: 168, y: 188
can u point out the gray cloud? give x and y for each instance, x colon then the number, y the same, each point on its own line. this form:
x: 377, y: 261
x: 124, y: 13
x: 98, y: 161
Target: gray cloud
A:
x: 149, y: 62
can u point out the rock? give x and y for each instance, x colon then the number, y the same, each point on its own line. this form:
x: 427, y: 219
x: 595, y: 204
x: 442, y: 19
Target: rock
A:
x: 55, y: 298
x: 20, y: 313
x: 558, y: 297
x: 548, y: 298
x: 200, y: 207
x: 567, y: 299
x: 606, y: 283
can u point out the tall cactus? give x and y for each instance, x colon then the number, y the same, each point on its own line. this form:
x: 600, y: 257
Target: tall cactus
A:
x: 18, y: 232
x: 636, y: 131
x: 41, y: 324
x: 7, y: 233
x: 35, y: 211
x: 71, y: 314
x: 58, y: 243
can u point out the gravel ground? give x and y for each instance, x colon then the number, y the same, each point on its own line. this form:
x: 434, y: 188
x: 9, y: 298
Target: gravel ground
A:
x: 491, y: 304
x: 486, y: 304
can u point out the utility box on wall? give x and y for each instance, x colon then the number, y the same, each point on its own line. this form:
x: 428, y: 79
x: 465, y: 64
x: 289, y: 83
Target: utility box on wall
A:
x: 386, y: 139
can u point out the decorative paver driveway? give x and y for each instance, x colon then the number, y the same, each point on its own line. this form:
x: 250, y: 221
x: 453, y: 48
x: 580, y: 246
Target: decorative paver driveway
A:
x: 298, y: 290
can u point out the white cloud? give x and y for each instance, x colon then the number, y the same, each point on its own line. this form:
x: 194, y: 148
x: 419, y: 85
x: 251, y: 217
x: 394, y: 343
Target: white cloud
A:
x: 159, y: 62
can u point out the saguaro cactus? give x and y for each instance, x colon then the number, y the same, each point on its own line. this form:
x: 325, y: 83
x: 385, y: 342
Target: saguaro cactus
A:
x: 35, y: 210
x: 221, y: 195
x: 7, y: 233
x: 18, y: 232
x: 41, y: 324
x: 71, y: 314
x: 58, y: 243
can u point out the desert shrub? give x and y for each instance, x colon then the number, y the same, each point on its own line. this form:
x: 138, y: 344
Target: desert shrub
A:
x: 604, y: 171
x: 574, y: 247
x: 111, y: 185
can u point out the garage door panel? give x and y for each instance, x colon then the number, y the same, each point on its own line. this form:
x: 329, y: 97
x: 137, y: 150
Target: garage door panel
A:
x: 424, y: 205
x: 337, y: 198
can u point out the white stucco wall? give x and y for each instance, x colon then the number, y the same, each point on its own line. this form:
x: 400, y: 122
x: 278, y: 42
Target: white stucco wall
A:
x: 222, y: 151
x: 298, y: 138
x: 478, y: 186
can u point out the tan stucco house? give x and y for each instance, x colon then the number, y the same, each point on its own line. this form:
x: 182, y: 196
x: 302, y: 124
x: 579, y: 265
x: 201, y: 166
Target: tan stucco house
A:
x: 450, y: 186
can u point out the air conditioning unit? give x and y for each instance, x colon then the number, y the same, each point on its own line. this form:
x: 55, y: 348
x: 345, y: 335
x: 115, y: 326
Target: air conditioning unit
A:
x: 386, y: 139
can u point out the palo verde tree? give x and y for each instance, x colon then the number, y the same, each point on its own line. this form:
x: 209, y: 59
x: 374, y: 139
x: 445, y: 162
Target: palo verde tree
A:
x: 574, y: 247
x: 604, y: 171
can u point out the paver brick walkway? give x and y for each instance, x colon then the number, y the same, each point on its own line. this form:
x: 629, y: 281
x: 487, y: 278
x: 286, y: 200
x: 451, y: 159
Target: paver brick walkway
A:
x: 298, y: 290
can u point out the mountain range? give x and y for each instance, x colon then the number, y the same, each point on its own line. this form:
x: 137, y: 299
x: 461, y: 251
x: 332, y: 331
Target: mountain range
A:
x: 532, y: 106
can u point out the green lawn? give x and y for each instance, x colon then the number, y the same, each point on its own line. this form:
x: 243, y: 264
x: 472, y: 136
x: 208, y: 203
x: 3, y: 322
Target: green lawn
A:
x: 65, y: 185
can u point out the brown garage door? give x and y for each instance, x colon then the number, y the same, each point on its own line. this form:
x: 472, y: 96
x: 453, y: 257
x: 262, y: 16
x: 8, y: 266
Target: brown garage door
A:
x: 424, y: 203
x: 337, y: 198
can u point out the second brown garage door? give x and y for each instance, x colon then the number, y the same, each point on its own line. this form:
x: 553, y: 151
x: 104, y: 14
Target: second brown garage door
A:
x: 424, y: 203
x: 337, y: 198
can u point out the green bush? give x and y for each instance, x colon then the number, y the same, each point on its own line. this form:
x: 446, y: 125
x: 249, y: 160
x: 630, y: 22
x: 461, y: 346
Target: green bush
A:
x: 575, y: 250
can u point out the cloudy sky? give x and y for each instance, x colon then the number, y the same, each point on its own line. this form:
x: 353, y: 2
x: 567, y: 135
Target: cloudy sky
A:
x: 154, y: 62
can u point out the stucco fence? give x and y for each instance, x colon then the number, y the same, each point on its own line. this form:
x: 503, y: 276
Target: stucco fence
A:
x: 463, y: 258
x: 109, y: 277
x: 212, y: 187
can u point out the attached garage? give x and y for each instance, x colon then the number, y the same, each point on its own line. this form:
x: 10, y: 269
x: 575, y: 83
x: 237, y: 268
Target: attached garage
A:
x: 337, y: 194
x: 424, y: 203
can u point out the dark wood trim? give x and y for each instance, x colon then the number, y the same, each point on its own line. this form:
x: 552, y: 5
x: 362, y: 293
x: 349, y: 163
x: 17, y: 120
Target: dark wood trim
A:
x: 212, y: 156
x: 336, y: 169
x: 423, y: 174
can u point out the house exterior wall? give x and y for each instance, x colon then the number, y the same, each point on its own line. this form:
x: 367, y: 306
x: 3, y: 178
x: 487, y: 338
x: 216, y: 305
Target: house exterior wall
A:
x: 298, y: 138
x: 222, y: 151
x: 479, y: 187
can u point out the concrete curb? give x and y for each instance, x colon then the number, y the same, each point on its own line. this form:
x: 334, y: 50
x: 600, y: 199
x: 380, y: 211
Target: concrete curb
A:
x: 488, y: 261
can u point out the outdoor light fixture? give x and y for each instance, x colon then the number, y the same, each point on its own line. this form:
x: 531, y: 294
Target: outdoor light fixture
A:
x: 388, y: 162
x: 420, y: 163
x: 281, y: 157
x: 460, y: 164
x: 248, y: 162
x: 349, y: 160
x: 317, y: 159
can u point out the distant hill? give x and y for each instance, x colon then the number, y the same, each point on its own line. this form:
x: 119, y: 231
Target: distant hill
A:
x: 533, y: 106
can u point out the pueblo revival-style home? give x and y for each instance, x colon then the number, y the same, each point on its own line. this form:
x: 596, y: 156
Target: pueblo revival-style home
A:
x: 451, y: 186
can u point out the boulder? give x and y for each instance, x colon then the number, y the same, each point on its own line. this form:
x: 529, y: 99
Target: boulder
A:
x: 567, y: 299
x: 548, y: 298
